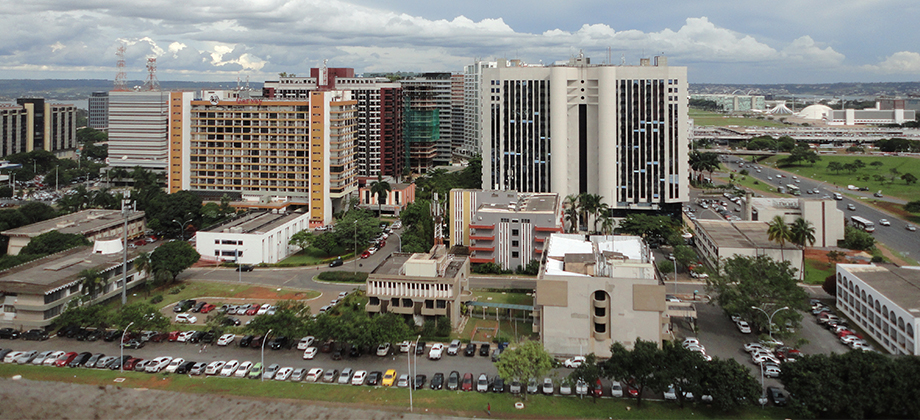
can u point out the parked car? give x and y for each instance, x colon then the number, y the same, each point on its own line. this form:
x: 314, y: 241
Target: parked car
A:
x: 776, y: 396
x: 284, y: 373
x: 243, y: 369
x: 616, y: 389
x: 298, y: 374
x: 214, y: 367
x: 345, y: 376
x: 256, y: 371
x: 574, y: 362
x: 515, y: 387
x: 388, y: 377
x: 309, y: 353
x: 435, y: 352
x: 383, y: 349
x: 419, y: 382
x: 743, y: 326
x: 270, y: 371
x: 337, y: 262
x: 331, y: 375
x: 314, y: 375
x: 26, y: 357
x: 466, y: 384
x: 484, y: 350
x: 158, y: 364
x: 453, y: 381
x: 437, y: 381
x: 246, y: 341
x: 470, y: 350
x: 174, y: 364
x: 359, y: 377
x: 9, y: 333
x: 186, y: 367
x: 453, y: 348
x: 373, y: 378
x: 186, y: 319
x: 482, y: 383
x: 35, y: 335
x: 403, y: 381
x: 498, y: 384
x: 305, y: 342
x: 229, y: 368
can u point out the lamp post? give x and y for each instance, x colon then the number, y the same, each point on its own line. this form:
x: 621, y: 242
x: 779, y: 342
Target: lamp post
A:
x: 238, y: 267
x: 400, y: 240
x: 770, y: 318
x: 182, y: 227
x: 122, y: 346
x: 127, y: 207
x: 264, y: 339
x: 356, y: 247
x: 674, y: 263
x: 409, y: 366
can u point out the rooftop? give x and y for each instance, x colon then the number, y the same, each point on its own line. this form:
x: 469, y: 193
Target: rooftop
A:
x: 598, y: 249
x: 526, y: 202
x: 83, y: 222
x: 257, y: 222
x: 739, y: 234
x: 899, y: 284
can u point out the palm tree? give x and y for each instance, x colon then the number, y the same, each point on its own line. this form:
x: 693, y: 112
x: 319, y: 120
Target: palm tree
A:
x: 571, y: 212
x: 142, y: 263
x: 381, y: 189
x: 90, y: 280
x: 607, y: 224
x: 600, y: 210
x: 778, y: 231
x: 801, y: 232
x: 584, y: 204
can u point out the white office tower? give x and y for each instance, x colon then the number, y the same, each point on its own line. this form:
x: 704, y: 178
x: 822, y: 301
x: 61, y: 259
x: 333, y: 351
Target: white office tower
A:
x: 472, y: 108
x: 616, y: 131
x: 138, y: 129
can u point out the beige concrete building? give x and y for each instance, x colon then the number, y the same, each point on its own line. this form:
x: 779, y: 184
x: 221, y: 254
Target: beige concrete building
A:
x: 94, y: 224
x: 595, y: 292
x: 433, y: 284
x: 883, y: 302
x: 717, y: 240
x: 33, y: 294
x: 824, y: 216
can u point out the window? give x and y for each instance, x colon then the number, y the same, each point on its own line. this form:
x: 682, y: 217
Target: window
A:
x: 515, y: 244
x: 373, y: 300
x: 515, y: 254
x: 515, y: 232
x: 600, y: 328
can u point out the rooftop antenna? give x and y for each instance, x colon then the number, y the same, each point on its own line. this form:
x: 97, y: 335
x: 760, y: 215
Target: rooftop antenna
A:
x: 151, y: 83
x: 121, y: 78
x: 438, y: 219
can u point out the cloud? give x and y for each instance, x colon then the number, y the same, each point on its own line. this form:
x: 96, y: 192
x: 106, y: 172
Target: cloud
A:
x: 807, y: 50
x: 902, y: 62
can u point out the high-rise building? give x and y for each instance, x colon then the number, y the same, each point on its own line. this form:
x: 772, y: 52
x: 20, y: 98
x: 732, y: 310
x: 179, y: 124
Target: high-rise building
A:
x: 457, y: 116
x: 291, y: 151
x: 379, y: 147
x: 427, y: 120
x: 616, y: 131
x: 138, y: 129
x: 35, y: 124
x: 472, y: 116
x: 98, y: 117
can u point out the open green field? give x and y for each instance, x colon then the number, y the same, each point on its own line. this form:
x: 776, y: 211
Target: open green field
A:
x: 196, y: 289
x: 463, y: 404
x: 703, y: 118
x: 898, y: 188
x: 310, y: 256
x: 751, y: 183
x: 817, y: 271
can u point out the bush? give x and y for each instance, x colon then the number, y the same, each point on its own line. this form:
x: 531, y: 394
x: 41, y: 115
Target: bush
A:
x: 857, y: 239
x: 878, y: 258
x: 342, y: 276
x: 175, y: 291
x: 156, y: 299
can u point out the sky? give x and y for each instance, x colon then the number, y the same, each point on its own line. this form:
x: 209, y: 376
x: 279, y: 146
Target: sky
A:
x: 719, y: 41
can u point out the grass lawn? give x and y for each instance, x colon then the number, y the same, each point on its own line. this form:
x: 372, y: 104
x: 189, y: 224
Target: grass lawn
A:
x: 817, y: 271
x: 309, y: 256
x: 896, y: 209
x: 753, y: 184
x: 463, y: 404
x: 503, y: 297
x: 898, y: 188
x: 197, y: 289
x: 704, y: 118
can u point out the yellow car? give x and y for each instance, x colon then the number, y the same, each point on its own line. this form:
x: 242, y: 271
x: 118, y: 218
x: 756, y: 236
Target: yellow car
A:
x: 389, y: 377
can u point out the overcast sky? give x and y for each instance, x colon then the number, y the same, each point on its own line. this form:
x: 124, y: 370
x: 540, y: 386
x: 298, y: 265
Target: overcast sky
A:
x: 719, y: 41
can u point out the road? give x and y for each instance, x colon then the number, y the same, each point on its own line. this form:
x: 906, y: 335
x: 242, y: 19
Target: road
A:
x: 895, y: 236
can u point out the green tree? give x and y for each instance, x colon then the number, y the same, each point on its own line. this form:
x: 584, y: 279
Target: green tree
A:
x: 589, y: 371
x: 52, y: 242
x: 909, y: 178
x: 528, y: 361
x: 291, y: 319
x: 877, y: 164
x: 173, y: 258
x: 747, y: 282
x: 857, y: 239
x: 142, y: 264
x: 91, y: 283
x: 144, y: 316
x: 682, y: 370
x: 380, y: 189
x: 35, y: 212
x: 640, y: 366
x: 170, y: 212
x: 77, y: 313
x: 778, y: 231
x: 684, y: 255
x: 607, y: 224
x: 802, y: 233
x: 302, y: 239
x: 835, y: 166
x: 571, y: 212
x: 651, y: 228
x: 911, y: 206
x: 729, y: 383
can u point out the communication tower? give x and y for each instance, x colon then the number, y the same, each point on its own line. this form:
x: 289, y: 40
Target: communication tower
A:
x: 121, y: 78
x: 151, y: 83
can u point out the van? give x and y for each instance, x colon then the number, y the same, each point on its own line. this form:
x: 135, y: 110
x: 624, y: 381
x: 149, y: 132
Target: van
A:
x: 838, y: 196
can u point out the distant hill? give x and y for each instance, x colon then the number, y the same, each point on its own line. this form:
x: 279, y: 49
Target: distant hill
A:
x: 827, y: 90
x: 10, y: 89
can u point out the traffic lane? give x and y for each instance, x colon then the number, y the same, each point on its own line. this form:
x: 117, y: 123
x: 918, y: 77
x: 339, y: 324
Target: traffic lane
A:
x: 294, y: 358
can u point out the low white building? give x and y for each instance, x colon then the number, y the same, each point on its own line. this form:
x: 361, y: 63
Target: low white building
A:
x: 823, y: 214
x: 597, y: 291
x: 717, y: 240
x: 258, y: 237
x: 884, y: 302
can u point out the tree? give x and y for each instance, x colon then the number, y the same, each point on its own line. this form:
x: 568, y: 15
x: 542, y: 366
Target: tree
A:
x: 302, y: 239
x: 651, y: 228
x: 909, y: 178
x: 571, y: 212
x: 835, y: 256
x: 77, y: 313
x: 802, y: 233
x: 893, y: 173
x: 913, y: 206
x: 528, y: 361
x: 168, y: 212
x: 291, y: 319
x: 747, y: 282
x: 380, y: 189
x: 857, y: 239
x: 589, y: 371
x: 681, y: 369
x: 173, y: 258
x: 684, y: 255
x: 607, y: 224
x: 640, y: 366
x: 52, y: 242
x: 144, y: 316
x: 90, y: 282
x: 778, y: 231
x: 729, y: 383
x: 835, y: 166
x: 142, y: 264
x: 36, y: 211
x: 877, y: 164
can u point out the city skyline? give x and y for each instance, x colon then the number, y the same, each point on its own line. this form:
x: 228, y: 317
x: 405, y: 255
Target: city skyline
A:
x: 719, y: 42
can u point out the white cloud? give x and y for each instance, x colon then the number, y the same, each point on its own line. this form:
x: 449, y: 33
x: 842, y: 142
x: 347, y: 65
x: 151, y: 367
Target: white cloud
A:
x: 806, y: 49
x: 902, y: 62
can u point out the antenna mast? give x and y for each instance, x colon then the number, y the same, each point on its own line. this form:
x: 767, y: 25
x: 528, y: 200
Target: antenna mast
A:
x: 151, y: 83
x: 121, y: 78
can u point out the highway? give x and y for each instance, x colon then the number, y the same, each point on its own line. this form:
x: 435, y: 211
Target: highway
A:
x: 896, y: 236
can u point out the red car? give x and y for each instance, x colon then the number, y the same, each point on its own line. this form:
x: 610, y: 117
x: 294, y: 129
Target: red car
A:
x: 632, y: 389
x: 598, y: 388
x: 207, y: 308
x: 467, y: 383
x: 65, y: 359
x: 131, y: 363
x: 253, y: 309
x: 174, y: 336
x: 366, y: 254
x: 140, y: 243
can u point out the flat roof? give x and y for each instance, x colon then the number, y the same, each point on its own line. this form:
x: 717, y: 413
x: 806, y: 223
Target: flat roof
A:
x: 81, y: 222
x: 392, y: 264
x: 258, y: 222
x: 574, y: 248
x: 63, y: 269
x: 743, y: 234
x: 899, y: 284
x: 526, y: 202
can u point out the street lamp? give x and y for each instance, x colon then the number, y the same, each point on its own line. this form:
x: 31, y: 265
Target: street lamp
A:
x: 182, y: 227
x: 122, y: 346
x: 264, y: 339
x: 674, y: 263
x: 400, y: 240
x: 127, y: 207
x: 356, y: 247
x: 409, y: 366
x: 770, y: 318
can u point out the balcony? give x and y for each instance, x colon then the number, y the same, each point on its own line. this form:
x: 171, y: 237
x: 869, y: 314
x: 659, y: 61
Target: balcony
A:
x: 482, y: 238
x: 539, y: 240
x: 486, y: 227
x: 548, y: 229
x: 475, y: 260
x: 482, y: 248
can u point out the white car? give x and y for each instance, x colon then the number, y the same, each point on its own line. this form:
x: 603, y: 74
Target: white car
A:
x: 174, y: 364
x: 771, y: 371
x: 384, y: 349
x: 225, y: 339
x: 437, y: 349
x: 305, y: 342
x: 50, y: 359
x: 751, y: 347
x: 243, y: 369
x: 911, y: 228
x: 214, y: 367
x: 284, y: 373
x: 184, y: 336
x: 186, y: 318
x: 744, y: 327
x: 263, y: 309
x: 314, y: 375
x: 453, y: 348
x: 884, y: 222
x: 359, y: 378
x: 230, y: 368
x: 574, y: 362
x: 309, y: 353
x: 691, y: 341
x: 404, y: 347
x: 345, y: 376
x: 616, y: 390
x: 158, y: 364
x: 671, y: 394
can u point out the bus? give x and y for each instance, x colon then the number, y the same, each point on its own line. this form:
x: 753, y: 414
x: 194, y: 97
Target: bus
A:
x: 792, y: 189
x: 862, y: 223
